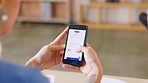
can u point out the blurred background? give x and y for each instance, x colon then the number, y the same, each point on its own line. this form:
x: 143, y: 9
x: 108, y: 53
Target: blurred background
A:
x: 115, y: 32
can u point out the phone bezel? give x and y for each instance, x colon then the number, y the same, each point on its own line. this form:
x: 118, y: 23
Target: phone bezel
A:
x: 73, y: 62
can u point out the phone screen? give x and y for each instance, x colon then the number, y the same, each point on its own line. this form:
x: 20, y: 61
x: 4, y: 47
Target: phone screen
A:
x: 75, y: 39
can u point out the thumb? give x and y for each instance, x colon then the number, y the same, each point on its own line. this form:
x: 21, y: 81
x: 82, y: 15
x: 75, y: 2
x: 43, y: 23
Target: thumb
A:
x: 88, y: 53
x: 82, y: 49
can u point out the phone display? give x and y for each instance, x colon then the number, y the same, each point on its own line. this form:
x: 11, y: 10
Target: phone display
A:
x: 76, y: 37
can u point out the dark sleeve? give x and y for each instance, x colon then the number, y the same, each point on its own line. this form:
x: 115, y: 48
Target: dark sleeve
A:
x: 11, y: 73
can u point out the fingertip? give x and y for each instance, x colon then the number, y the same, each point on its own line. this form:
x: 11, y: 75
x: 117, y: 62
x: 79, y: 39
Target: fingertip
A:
x: 63, y: 46
x: 82, y: 49
x: 78, y: 50
x: 87, y: 44
x: 66, y: 29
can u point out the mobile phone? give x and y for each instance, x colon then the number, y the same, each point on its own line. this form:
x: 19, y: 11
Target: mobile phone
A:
x: 76, y: 37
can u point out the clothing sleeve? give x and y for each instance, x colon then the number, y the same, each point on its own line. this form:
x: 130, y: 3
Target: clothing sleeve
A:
x: 12, y: 73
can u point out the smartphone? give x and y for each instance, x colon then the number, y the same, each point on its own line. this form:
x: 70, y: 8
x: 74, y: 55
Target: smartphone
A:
x: 76, y: 37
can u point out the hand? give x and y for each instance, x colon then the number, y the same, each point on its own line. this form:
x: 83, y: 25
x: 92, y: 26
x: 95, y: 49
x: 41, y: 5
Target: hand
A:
x: 49, y: 55
x: 91, y: 65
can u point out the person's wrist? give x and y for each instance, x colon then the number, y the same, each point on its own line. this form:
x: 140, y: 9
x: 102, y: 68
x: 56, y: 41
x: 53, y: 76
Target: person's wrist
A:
x: 36, y: 62
x: 32, y: 62
x: 92, y: 73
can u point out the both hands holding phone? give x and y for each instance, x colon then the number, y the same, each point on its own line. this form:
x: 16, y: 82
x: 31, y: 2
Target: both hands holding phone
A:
x: 87, y: 60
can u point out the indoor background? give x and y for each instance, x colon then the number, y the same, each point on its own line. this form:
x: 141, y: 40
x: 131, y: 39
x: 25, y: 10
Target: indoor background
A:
x: 115, y: 32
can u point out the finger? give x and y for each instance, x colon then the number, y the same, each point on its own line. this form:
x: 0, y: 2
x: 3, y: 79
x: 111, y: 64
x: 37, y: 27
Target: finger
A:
x: 55, y: 47
x: 59, y: 58
x: 60, y: 37
x: 31, y: 62
x: 79, y: 50
x: 64, y: 45
x: 82, y: 49
x: 87, y: 44
x: 66, y: 66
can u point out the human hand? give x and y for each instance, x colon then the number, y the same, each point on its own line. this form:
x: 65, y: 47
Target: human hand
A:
x: 91, y: 65
x: 49, y: 55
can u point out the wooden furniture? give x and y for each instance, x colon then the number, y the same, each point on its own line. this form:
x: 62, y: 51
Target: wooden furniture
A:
x: 73, y: 77
x: 46, y: 11
x: 111, y: 26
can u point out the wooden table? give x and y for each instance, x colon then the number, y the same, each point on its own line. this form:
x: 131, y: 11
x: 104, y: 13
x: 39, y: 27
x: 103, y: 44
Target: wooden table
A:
x: 74, y: 77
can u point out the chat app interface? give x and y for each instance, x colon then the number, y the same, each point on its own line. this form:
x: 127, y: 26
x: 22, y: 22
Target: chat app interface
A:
x: 74, y: 42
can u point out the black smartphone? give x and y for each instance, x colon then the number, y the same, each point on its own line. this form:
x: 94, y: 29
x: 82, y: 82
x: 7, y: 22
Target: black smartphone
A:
x: 76, y: 37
